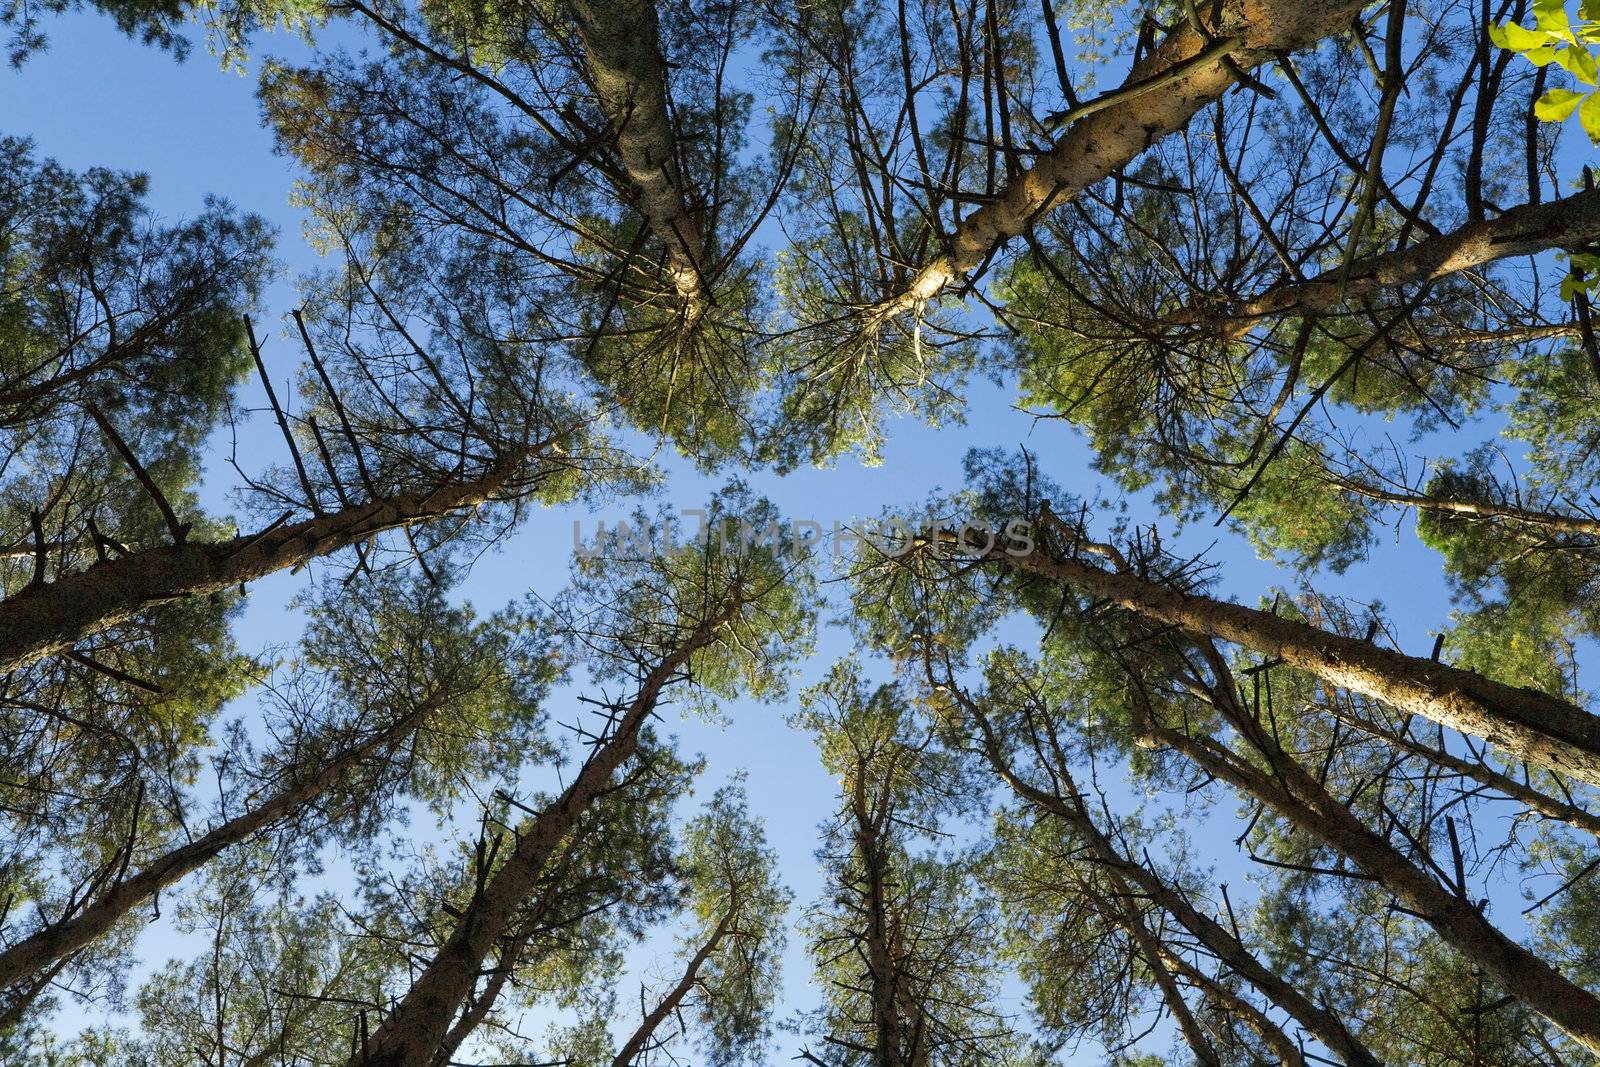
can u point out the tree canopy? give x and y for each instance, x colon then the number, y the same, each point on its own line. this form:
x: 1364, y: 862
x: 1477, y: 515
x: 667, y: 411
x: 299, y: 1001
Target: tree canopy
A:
x: 324, y: 745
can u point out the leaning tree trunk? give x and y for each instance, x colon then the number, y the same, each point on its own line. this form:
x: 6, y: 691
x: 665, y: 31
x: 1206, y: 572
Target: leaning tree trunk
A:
x: 1525, y: 723
x: 622, y: 43
x: 1287, y: 1051
x: 61, y: 939
x: 1162, y: 93
x: 413, y: 1031
x: 674, y: 998
x: 1522, y: 231
x: 1295, y: 794
x: 1477, y: 770
x: 1122, y: 913
x: 1218, y: 940
x: 1555, y: 521
x: 44, y: 619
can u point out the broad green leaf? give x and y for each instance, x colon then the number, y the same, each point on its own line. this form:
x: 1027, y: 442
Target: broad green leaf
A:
x: 1579, y: 63
x: 1589, y: 10
x: 1551, y: 16
x: 1557, y: 104
x: 1540, y: 56
x: 1516, y: 38
x: 1589, y: 115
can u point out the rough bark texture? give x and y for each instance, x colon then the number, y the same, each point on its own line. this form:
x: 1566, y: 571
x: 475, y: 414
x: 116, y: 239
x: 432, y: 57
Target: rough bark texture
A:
x: 1101, y: 143
x: 412, y: 1033
x: 622, y: 41
x: 59, y: 940
x: 45, y: 619
x: 1291, y: 791
x: 1525, y: 723
x: 1521, y: 231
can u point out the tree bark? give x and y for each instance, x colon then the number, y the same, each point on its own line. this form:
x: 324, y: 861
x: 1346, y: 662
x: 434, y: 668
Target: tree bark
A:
x: 1180, y: 77
x: 622, y: 42
x: 1476, y: 509
x: 1526, y: 723
x: 45, y: 619
x: 59, y: 940
x: 669, y: 1003
x: 1150, y: 948
x: 413, y: 1031
x: 1522, y: 231
x: 1322, y: 1024
x: 1287, y: 1051
x: 883, y: 973
x: 1298, y: 797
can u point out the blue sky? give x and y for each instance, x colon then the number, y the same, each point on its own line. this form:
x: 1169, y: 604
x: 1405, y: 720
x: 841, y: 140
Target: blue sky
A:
x: 96, y: 98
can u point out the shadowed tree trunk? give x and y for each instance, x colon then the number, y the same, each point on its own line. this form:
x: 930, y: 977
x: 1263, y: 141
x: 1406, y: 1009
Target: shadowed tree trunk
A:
x: 1294, y: 793
x: 1481, y: 772
x: 61, y: 939
x: 413, y: 1031
x: 1067, y: 805
x: 44, y: 619
x: 1287, y: 1051
x: 1123, y: 913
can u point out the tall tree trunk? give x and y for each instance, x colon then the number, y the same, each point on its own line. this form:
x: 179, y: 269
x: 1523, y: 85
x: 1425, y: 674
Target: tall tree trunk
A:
x: 61, y: 939
x: 1522, y: 231
x: 1287, y: 1051
x: 1477, y: 509
x: 1479, y: 771
x: 622, y: 41
x: 482, y: 1004
x: 884, y: 974
x: 1218, y: 940
x: 1184, y: 74
x: 1123, y: 914
x: 647, y: 1027
x: 1295, y: 794
x: 413, y: 1031
x: 510, y: 957
x: 1525, y: 723
x: 44, y: 619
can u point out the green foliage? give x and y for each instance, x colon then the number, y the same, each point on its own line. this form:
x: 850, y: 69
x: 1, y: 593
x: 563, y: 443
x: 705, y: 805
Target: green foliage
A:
x: 280, y: 975
x: 731, y: 877
x: 495, y: 223
x: 155, y: 22
x: 1184, y: 418
x: 1555, y: 39
x: 97, y: 297
x: 231, y: 23
x: 743, y: 570
x: 1568, y: 926
x: 902, y: 943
